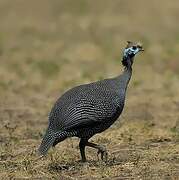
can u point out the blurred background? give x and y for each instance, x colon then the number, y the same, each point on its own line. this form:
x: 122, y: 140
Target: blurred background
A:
x: 47, y: 47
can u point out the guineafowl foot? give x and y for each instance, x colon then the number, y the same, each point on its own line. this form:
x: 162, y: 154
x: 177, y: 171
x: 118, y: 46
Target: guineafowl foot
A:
x: 101, y: 150
x: 104, y: 154
x: 83, y: 160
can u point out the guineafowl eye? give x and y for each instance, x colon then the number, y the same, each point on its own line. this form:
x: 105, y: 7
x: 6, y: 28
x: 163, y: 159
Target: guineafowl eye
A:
x: 134, y: 47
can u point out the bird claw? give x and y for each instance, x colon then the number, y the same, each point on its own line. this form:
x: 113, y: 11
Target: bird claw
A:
x: 104, y: 154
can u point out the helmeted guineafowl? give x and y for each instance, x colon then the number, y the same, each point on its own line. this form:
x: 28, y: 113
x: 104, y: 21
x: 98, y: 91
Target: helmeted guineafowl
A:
x: 91, y: 108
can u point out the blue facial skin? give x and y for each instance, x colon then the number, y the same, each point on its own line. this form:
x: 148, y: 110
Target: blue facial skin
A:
x: 129, y: 52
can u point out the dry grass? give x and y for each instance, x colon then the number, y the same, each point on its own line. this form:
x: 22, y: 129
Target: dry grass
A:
x: 48, y: 46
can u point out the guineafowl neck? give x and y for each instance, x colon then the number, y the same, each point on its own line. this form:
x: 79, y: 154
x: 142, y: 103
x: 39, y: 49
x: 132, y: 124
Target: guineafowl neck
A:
x: 123, y: 80
x: 126, y: 76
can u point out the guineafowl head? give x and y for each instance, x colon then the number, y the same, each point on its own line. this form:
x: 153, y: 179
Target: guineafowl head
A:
x: 130, y: 51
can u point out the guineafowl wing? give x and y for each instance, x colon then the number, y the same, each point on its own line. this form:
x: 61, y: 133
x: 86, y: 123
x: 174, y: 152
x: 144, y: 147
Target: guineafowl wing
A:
x: 86, y: 106
x: 89, y: 113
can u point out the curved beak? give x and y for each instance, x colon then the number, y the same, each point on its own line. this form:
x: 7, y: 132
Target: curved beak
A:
x: 141, y: 49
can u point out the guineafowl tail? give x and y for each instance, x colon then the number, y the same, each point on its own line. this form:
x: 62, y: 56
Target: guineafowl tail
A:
x: 51, y: 139
x: 47, y: 142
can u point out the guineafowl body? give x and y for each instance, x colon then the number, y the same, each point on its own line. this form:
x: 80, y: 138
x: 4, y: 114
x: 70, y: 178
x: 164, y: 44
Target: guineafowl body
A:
x: 88, y: 109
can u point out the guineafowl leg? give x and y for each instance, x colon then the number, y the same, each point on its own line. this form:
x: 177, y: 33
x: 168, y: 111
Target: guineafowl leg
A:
x: 82, y: 145
x: 101, y: 150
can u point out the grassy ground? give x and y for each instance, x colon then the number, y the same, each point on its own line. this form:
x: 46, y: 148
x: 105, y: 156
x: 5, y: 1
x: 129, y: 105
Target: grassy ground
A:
x: 46, y: 47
